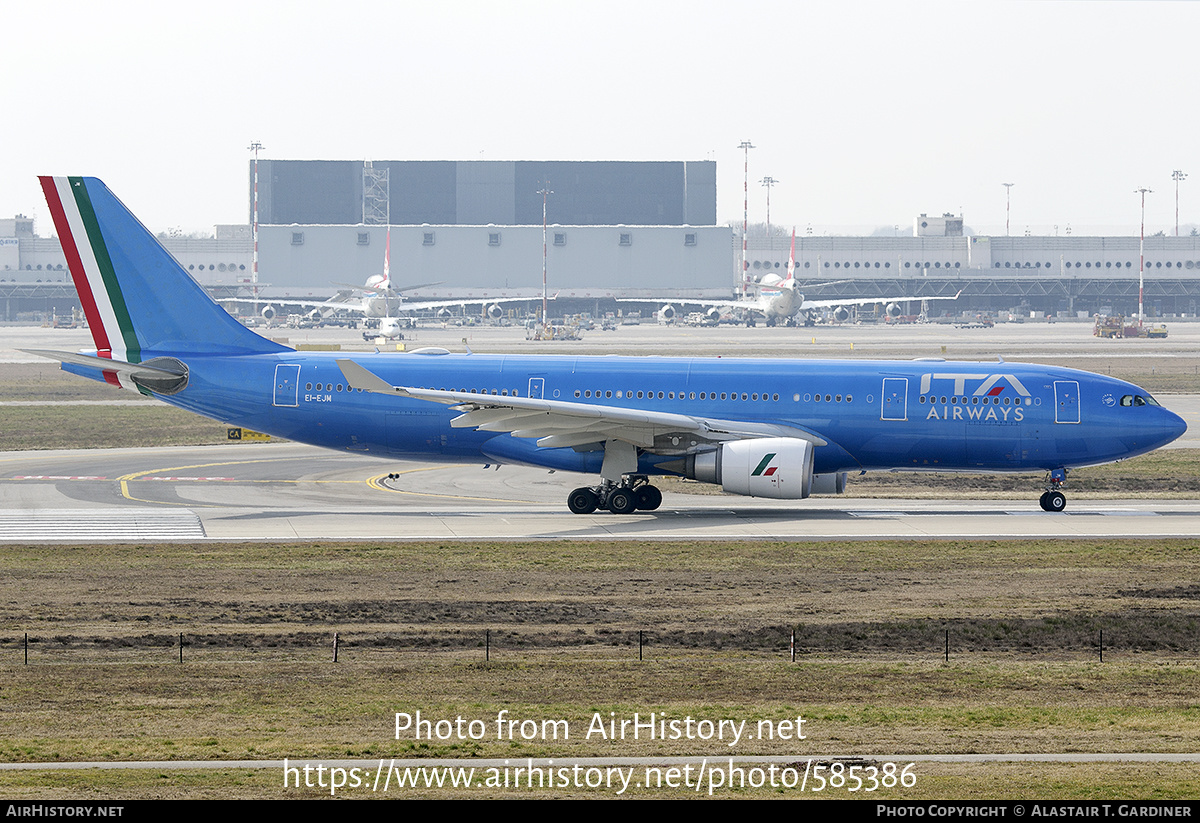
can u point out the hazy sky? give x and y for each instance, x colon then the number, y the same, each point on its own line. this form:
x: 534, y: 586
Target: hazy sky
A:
x: 867, y: 113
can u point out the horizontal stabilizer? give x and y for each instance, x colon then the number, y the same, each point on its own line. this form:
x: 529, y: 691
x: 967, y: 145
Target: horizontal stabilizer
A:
x: 162, y: 375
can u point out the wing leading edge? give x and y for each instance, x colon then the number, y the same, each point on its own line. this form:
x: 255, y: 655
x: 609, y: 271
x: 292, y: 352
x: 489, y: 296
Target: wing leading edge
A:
x: 562, y: 424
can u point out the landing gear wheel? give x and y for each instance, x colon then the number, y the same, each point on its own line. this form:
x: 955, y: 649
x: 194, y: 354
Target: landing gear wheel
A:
x: 1054, y: 501
x: 582, y: 501
x: 622, y: 501
x: 648, y: 498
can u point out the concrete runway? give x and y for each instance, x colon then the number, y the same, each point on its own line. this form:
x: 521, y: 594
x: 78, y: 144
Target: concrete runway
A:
x: 287, y: 491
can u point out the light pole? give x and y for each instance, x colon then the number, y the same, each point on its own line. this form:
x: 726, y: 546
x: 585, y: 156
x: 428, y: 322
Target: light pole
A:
x: 545, y: 193
x: 767, y: 183
x: 1177, y: 175
x: 1142, y: 251
x: 745, y: 147
x: 1007, y: 204
x: 255, y: 147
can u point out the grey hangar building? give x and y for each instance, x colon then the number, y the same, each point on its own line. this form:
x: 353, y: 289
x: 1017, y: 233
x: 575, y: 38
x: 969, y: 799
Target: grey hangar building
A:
x: 615, y: 229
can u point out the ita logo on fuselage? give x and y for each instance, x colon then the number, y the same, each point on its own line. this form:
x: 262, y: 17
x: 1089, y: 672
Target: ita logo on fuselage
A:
x: 985, y: 404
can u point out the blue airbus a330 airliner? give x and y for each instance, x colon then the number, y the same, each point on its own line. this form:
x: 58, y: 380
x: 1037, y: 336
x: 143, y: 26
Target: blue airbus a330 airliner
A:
x: 760, y: 427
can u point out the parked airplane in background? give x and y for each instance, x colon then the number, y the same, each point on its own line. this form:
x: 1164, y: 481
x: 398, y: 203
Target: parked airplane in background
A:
x: 780, y: 302
x: 760, y: 427
x: 381, y: 301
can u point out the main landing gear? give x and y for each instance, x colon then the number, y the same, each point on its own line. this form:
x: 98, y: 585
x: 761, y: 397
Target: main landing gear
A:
x: 633, y: 494
x: 1053, y: 500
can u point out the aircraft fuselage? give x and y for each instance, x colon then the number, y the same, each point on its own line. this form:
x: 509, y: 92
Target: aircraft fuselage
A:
x: 880, y: 415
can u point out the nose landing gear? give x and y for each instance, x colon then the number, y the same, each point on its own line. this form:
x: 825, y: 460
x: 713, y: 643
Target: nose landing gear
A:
x: 1053, y: 500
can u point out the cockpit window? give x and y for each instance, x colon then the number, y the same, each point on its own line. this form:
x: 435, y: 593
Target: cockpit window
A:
x: 1138, y: 400
x: 1151, y: 401
x: 1127, y: 400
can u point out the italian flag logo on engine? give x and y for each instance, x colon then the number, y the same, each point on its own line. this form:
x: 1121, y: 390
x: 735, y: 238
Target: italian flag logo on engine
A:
x: 762, y: 470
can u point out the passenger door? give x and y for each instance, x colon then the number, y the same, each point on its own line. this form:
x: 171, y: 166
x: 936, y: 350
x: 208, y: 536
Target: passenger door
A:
x: 287, y: 385
x: 895, y: 398
x: 1066, y: 401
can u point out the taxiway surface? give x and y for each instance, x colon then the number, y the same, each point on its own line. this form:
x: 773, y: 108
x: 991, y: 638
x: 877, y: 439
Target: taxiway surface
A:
x: 284, y: 491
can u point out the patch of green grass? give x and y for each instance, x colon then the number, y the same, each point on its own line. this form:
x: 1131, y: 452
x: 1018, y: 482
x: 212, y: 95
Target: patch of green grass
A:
x: 104, y: 427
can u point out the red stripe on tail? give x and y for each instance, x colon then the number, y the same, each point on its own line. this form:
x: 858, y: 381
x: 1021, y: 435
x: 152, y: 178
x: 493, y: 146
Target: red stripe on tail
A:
x: 78, y: 273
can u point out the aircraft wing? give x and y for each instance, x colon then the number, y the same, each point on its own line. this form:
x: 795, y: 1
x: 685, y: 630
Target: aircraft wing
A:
x: 712, y: 304
x: 409, y: 306
x: 336, y: 303
x: 397, y: 308
x: 559, y: 423
x: 864, y: 301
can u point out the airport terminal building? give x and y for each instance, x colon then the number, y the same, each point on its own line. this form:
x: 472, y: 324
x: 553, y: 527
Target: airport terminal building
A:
x: 615, y: 229
x: 1060, y: 275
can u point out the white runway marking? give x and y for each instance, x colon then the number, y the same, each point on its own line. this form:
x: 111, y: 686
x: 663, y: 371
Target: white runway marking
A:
x: 100, y: 524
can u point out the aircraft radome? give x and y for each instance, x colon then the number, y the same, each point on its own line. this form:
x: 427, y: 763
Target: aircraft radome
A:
x: 761, y: 427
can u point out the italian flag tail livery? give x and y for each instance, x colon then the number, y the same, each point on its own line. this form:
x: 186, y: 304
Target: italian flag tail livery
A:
x: 138, y: 301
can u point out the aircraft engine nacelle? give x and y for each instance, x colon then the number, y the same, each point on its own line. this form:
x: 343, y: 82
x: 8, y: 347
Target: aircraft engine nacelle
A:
x: 444, y: 313
x: 268, y: 313
x: 667, y: 312
x: 841, y: 314
x: 495, y: 312
x: 892, y: 309
x: 776, y: 467
x: 829, y: 483
x: 713, y: 314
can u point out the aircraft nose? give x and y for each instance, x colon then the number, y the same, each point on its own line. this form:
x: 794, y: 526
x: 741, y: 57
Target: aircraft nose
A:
x: 1173, y: 427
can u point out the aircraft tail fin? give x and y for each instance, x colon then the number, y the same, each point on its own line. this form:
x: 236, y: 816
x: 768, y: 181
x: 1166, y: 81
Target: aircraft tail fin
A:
x: 791, y: 268
x: 138, y: 300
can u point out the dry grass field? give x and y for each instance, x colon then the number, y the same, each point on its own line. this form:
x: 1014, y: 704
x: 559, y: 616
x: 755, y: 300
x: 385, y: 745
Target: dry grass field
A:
x: 103, y: 680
